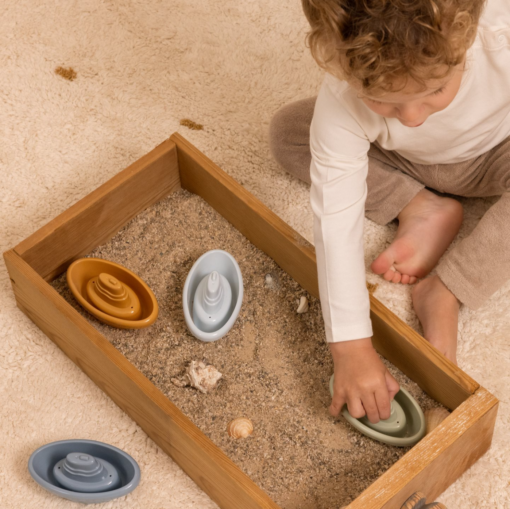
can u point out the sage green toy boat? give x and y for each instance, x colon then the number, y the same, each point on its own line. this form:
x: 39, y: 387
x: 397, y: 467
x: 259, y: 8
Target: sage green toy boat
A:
x: 405, y: 426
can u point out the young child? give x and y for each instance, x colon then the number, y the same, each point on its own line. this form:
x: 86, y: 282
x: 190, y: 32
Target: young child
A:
x: 416, y: 96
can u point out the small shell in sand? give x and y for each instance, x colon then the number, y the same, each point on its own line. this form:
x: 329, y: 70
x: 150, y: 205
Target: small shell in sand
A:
x: 240, y: 428
x: 434, y: 417
x: 202, y: 377
x: 271, y: 281
x: 303, y: 305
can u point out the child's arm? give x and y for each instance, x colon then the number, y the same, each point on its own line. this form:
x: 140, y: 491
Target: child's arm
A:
x: 339, y: 148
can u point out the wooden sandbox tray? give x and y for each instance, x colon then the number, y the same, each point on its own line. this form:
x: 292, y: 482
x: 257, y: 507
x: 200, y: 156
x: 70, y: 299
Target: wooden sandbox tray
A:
x: 429, y: 467
x: 274, y: 361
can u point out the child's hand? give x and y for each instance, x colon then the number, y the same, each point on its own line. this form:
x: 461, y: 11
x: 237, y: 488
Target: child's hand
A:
x: 361, y: 380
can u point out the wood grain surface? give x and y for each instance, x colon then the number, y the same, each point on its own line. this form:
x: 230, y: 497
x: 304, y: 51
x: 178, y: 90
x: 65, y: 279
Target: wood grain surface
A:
x: 101, y: 214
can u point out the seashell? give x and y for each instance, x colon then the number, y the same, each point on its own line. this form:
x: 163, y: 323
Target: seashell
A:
x: 434, y: 417
x: 435, y: 505
x: 240, y: 428
x: 271, y: 281
x: 415, y: 501
x: 202, y: 377
x: 303, y: 305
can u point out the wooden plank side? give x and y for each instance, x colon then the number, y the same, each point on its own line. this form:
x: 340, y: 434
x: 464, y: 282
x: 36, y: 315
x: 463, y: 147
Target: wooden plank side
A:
x: 400, y: 344
x: 101, y: 214
x: 292, y: 252
x: 439, y: 459
x: 203, y: 461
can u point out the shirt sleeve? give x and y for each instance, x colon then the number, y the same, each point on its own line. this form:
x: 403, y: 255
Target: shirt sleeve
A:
x: 338, y: 171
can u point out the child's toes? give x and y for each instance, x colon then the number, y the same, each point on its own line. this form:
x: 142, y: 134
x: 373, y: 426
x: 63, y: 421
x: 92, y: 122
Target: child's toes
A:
x: 383, y: 263
x: 412, y: 280
x: 397, y: 277
x: 388, y: 275
x: 405, y: 279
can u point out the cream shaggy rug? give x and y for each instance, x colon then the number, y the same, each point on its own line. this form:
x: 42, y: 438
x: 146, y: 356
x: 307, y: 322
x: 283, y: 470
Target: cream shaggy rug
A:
x: 141, y: 67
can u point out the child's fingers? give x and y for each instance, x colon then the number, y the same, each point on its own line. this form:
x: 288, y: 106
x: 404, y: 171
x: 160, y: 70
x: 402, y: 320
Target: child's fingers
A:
x: 391, y: 384
x: 382, y: 399
x: 336, y: 404
x: 371, y: 409
x: 355, y: 407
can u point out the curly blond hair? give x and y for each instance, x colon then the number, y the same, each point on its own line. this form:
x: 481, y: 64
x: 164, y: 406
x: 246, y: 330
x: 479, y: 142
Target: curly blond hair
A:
x: 381, y: 44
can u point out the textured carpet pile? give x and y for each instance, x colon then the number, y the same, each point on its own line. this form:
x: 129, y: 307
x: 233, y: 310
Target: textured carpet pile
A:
x: 130, y: 71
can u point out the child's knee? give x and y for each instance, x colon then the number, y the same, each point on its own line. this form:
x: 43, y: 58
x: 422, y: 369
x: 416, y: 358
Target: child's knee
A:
x: 289, y: 138
x: 284, y: 129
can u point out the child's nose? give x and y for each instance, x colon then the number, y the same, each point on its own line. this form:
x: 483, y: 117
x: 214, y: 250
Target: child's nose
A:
x: 410, y: 114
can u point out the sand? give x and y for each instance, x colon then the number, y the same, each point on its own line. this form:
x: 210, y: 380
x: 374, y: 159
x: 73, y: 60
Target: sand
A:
x: 275, y: 363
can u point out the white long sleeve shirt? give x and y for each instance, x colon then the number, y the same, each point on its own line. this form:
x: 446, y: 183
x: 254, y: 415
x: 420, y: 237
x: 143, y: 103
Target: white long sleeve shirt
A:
x: 340, y: 135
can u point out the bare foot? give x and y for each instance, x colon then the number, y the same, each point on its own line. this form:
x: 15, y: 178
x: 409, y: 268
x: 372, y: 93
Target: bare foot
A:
x: 438, y: 311
x: 427, y: 226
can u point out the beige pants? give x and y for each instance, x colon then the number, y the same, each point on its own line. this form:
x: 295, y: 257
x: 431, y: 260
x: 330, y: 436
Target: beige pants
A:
x: 478, y: 265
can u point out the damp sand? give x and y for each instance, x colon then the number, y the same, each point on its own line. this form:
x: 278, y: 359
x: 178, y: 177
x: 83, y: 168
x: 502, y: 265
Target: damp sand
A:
x: 275, y: 363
